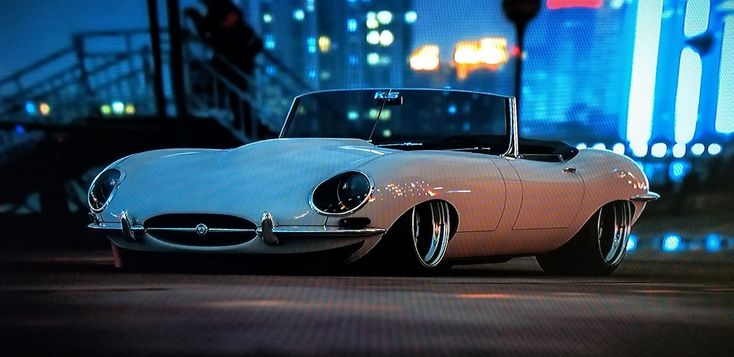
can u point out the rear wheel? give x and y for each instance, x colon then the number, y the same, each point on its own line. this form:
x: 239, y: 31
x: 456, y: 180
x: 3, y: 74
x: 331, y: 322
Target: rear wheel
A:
x: 598, y: 248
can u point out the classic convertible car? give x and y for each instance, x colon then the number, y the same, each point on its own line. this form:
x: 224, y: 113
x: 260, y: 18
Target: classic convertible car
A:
x: 411, y: 179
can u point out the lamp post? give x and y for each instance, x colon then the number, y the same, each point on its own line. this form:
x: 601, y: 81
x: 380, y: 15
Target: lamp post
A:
x: 520, y: 12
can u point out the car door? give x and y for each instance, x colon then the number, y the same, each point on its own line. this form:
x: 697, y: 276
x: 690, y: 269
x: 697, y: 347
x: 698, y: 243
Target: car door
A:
x: 551, y: 193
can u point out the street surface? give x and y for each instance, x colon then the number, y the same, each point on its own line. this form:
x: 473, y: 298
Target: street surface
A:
x: 58, y: 302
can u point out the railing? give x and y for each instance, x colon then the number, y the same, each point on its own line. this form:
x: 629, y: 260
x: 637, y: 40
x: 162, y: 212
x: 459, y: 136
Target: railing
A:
x: 99, y: 67
x: 103, y: 67
x: 270, y: 90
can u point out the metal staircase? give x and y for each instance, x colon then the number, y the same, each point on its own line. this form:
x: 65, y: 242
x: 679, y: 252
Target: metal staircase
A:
x: 105, y: 67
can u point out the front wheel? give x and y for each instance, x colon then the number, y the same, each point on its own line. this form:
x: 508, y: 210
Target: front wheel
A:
x: 418, y: 241
x: 598, y: 248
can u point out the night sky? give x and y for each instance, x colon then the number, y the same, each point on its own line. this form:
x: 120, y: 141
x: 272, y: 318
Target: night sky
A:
x: 32, y: 29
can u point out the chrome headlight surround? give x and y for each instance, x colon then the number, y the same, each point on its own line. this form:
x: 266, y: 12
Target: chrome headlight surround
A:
x: 326, y: 198
x: 103, y: 188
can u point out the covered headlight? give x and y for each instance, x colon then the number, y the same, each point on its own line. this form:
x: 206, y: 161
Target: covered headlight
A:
x: 342, y: 194
x: 102, y: 189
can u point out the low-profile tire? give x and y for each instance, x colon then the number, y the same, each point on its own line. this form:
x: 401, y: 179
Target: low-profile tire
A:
x: 417, y: 242
x: 597, y: 249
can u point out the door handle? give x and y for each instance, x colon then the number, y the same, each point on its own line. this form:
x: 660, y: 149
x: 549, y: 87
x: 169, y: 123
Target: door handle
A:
x: 570, y: 169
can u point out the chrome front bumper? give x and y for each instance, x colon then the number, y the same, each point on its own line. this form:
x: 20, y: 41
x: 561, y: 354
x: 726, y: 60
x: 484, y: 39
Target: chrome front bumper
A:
x: 320, y: 231
x: 287, y: 231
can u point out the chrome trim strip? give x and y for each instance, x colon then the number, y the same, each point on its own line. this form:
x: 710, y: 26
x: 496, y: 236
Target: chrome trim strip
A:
x: 209, y: 230
x: 513, y: 151
x: 355, y: 209
x: 325, y: 231
x: 645, y: 197
x: 113, y: 226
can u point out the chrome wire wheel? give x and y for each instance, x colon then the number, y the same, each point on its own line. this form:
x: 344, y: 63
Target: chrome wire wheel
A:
x: 431, y: 228
x: 613, y: 230
x: 599, y: 246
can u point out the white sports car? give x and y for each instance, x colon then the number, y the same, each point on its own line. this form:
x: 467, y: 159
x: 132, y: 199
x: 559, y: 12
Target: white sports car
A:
x: 412, y: 178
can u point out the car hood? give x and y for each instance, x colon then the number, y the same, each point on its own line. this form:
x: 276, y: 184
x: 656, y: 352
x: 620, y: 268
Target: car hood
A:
x: 273, y: 175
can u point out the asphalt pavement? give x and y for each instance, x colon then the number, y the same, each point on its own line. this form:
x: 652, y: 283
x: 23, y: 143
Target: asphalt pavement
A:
x: 74, y: 302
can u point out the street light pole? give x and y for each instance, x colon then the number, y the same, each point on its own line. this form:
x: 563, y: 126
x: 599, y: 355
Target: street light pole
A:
x: 520, y: 12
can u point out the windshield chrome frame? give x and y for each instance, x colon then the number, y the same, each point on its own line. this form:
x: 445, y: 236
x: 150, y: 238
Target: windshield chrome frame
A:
x: 511, y: 122
x: 513, y: 149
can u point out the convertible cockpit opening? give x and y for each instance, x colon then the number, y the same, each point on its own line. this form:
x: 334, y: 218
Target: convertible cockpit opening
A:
x: 405, y: 119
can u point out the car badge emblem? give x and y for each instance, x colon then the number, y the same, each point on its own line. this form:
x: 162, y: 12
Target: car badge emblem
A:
x: 202, y: 229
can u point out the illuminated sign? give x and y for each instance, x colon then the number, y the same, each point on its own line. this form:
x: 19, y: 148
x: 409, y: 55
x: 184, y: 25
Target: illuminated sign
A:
x: 565, y: 4
x: 487, y: 53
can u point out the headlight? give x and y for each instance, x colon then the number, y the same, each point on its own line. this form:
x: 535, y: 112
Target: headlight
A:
x: 102, y: 189
x: 342, y: 194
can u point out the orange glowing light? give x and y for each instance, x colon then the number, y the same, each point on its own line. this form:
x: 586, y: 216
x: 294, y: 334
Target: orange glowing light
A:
x: 488, y: 53
x: 425, y: 58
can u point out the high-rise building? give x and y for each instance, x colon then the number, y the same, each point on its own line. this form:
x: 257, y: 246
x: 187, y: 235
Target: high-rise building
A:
x: 341, y: 43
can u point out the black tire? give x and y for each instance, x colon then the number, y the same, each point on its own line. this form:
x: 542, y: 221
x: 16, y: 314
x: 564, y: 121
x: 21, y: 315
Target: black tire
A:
x: 416, y: 243
x: 597, y: 249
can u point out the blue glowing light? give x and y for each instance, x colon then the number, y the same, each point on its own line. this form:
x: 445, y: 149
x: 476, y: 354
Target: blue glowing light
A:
x: 678, y: 170
x: 599, y: 146
x: 639, y: 149
x: 659, y: 150
x: 713, y: 243
x: 118, y: 107
x: 352, y: 25
x: 312, y: 74
x: 714, y: 149
x: 644, y: 70
x: 631, y: 243
x: 411, y: 17
x: 581, y: 146
x: 452, y: 109
x: 679, y: 150
x: 19, y: 129
x: 687, y: 95
x: 30, y: 108
x: 352, y: 115
x: 353, y: 60
x: 672, y: 243
x: 311, y: 43
x: 619, y: 148
x: 299, y: 15
x: 269, y: 42
x: 697, y: 17
x: 725, y: 104
x: 698, y: 149
x: 271, y: 70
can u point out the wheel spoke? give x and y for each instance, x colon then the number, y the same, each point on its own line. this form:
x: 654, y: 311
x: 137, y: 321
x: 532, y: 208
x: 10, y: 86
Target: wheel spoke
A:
x: 435, y: 219
x: 431, y: 241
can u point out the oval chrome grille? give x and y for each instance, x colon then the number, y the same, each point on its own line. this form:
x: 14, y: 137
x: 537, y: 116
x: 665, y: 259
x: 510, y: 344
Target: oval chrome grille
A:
x: 203, y: 230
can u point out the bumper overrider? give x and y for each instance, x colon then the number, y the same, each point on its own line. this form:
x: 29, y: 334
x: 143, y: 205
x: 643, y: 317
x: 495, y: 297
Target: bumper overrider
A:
x: 131, y: 234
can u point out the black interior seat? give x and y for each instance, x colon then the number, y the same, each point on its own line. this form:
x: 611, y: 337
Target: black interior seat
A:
x: 546, y: 150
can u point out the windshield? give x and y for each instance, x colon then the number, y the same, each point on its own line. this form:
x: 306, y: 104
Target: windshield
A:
x: 410, y: 118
